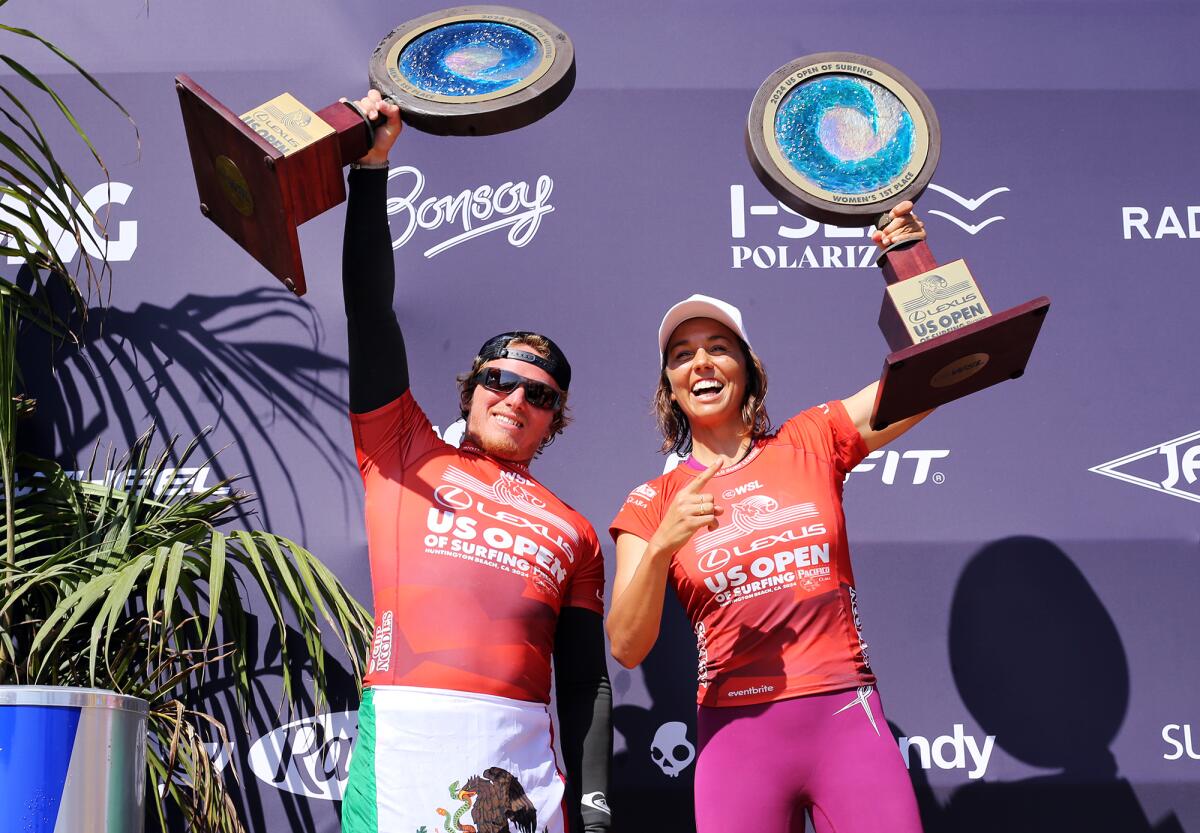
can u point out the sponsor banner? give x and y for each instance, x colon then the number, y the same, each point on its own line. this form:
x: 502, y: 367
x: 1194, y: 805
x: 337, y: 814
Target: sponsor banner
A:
x: 309, y: 757
x: 912, y: 467
x: 955, y: 751
x: 1183, y: 742
x: 1170, y: 468
x: 514, y: 208
x: 769, y: 235
x: 110, y: 237
x: 1140, y: 222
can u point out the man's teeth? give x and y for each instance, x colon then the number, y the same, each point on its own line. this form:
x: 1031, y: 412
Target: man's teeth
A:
x: 508, y: 420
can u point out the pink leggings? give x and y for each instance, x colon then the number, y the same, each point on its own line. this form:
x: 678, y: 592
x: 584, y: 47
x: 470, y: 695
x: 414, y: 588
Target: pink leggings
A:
x: 760, y: 767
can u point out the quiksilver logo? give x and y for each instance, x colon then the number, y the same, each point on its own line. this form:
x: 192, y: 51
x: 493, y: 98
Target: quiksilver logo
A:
x: 596, y: 801
x: 1172, y: 467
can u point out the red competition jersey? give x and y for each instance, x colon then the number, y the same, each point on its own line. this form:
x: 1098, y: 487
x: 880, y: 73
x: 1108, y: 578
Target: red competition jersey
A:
x: 770, y: 592
x: 471, y: 561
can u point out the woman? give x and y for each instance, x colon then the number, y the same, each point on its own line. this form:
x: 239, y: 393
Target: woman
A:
x: 750, y: 533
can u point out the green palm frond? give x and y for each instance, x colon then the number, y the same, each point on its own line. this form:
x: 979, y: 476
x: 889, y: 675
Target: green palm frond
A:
x: 129, y: 584
x: 36, y: 190
x: 132, y: 583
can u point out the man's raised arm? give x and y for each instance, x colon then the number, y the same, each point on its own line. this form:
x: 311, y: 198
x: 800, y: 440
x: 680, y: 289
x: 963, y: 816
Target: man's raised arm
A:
x: 378, y: 363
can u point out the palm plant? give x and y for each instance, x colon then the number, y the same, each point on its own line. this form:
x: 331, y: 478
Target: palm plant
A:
x: 131, y: 583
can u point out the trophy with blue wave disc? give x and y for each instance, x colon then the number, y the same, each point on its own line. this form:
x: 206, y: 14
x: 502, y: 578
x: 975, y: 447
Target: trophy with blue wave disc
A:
x: 840, y: 138
x: 463, y: 71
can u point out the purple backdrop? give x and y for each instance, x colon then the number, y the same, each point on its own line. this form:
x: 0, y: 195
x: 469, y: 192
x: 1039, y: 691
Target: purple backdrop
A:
x: 1027, y: 558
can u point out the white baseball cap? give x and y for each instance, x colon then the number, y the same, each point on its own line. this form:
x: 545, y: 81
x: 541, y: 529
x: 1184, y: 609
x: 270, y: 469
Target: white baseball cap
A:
x: 700, y: 306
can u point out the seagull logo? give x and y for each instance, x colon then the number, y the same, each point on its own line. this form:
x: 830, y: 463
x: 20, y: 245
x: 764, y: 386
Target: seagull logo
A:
x: 969, y: 204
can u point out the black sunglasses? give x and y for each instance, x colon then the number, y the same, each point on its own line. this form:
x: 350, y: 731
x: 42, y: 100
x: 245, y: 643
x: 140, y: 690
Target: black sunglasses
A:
x: 537, y: 394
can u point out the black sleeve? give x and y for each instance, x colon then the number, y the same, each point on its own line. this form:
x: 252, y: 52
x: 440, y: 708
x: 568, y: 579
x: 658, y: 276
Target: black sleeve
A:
x: 378, y: 364
x: 584, y: 717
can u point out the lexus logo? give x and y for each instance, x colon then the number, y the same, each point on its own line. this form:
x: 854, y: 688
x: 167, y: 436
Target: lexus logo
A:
x: 453, y: 497
x: 714, y: 560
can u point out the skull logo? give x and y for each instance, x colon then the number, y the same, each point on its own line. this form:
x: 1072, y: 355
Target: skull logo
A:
x: 670, y: 749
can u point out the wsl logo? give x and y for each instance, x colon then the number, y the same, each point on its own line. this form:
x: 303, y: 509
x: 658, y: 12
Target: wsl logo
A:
x: 515, y: 207
x: 1172, y: 467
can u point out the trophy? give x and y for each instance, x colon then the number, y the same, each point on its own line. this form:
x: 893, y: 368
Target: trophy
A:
x: 840, y: 137
x: 465, y: 71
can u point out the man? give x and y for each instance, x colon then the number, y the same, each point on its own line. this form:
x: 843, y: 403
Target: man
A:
x: 480, y: 575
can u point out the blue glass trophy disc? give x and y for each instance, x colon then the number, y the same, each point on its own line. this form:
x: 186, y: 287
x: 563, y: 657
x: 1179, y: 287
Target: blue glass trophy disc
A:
x: 474, y: 70
x: 841, y: 137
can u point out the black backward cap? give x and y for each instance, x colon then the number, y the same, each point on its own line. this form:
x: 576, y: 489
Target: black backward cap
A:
x: 555, y: 364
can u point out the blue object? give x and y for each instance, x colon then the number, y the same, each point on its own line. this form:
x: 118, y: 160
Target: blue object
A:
x: 470, y: 58
x: 845, y: 134
x: 71, y: 760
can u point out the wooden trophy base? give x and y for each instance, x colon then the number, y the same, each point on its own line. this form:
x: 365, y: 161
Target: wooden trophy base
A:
x: 977, y: 355
x: 258, y: 187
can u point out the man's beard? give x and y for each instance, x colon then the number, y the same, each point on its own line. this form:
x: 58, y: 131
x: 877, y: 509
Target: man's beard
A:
x: 501, y: 447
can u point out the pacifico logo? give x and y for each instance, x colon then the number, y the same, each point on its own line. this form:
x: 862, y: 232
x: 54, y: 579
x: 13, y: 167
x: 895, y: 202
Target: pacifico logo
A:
x: 515, y: 207
x: 308, y: 757
x: 95, y: 203
x: 1172, y: 467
